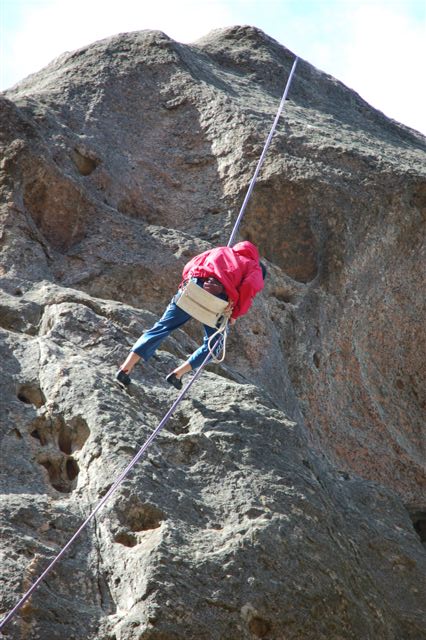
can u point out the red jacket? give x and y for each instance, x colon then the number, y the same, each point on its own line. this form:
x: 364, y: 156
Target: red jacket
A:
x: 237, y: 268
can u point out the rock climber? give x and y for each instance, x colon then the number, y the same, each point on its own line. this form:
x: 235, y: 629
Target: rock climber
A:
x: 231, y: 273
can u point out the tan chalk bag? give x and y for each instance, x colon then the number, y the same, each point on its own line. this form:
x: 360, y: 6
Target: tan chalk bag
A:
x: 201, y: 305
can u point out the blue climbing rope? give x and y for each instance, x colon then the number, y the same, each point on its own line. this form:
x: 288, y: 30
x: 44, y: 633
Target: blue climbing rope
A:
x: 182, y: 394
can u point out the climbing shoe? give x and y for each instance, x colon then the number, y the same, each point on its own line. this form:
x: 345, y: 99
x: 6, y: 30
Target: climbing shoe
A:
x: 123, y: 378
x: 172, y: 379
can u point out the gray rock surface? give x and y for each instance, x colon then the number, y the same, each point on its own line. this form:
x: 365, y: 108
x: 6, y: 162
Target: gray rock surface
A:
x: 285, y: 498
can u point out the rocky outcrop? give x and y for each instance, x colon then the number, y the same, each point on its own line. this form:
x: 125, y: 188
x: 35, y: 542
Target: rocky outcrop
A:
x: 285, y: 498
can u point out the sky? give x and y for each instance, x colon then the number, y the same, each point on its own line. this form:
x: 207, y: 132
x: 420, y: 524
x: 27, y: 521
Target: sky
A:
x: 375, y: 47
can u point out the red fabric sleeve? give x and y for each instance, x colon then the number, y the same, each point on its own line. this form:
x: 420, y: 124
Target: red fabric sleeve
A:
x: 194, y: 262
x: 249, y: 287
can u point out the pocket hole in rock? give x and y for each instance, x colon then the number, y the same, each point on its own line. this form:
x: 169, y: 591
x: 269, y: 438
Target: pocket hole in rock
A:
x: 54, y: 474
x: 418, y: 519
x: 144, y: 518
x: 64, y: 439
x: 31, y: 394
x: 256, y: 330
x: 126, y: 539
x: 86, y: 162
x: 23, y: 398
x: 35, y: 434
x: 259, y: 627
x: 72, y: 435
x: 253, y: 513
x: 72, y: 469
x: 284, y: 295
x: 42, y: 429
x: 139, y: 517
x: 180, y: 424
x: 62, y: 472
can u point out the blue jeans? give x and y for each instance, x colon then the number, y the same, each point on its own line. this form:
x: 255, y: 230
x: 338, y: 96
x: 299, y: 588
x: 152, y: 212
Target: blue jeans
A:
x: 173, y: 318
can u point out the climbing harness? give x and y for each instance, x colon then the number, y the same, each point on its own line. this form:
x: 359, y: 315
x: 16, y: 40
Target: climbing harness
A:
x: 219, y: 335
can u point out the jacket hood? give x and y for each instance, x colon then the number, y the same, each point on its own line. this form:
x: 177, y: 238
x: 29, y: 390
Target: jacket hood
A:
x: 246, y: 249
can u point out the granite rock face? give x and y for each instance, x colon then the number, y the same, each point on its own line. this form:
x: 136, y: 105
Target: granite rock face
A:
x: 285, y: 497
